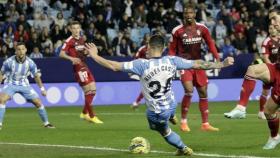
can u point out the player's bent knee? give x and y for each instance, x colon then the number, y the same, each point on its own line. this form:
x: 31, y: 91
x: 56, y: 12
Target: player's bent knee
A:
x: 3, y: 98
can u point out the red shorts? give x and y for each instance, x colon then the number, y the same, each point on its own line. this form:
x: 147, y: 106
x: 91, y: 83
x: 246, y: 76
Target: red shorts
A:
x: 198, y: 77
x: 84, y: 77
x: 275, y: 98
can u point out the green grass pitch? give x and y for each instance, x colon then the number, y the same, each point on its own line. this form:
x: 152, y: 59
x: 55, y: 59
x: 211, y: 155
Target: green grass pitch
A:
x: 24, y: 137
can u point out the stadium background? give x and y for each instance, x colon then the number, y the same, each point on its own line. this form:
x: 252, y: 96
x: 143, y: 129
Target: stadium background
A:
x: 119, y: 28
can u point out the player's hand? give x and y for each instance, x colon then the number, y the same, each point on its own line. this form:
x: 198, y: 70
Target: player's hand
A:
x: 44, y: 93
x: 92, y: 49
x: 228, y: 61
x: 76, y: 61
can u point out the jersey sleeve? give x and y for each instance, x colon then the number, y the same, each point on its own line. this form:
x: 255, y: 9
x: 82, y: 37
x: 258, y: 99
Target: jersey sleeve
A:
x: 182, y: 64
x: 265, y: 48
x: 135, y: 66
x: 173, y: 43
x: 5, y: 67
x: 33, y: 68
x: 66, y: 46
x: 210, y: 42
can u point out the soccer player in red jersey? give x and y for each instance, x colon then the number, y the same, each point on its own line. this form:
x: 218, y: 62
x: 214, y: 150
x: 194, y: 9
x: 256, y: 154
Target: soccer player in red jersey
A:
x: 73, y: 50
x: 268, y: 73
x: 186, y: 42
x: 269, y: 52
x: 141, y: 53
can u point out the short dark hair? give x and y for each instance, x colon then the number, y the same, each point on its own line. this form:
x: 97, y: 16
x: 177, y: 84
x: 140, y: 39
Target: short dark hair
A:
x: 156, y: 41
x: 189, y: 6
x: 275, y: 8
x: 20, y: 43
x: 74, y: 23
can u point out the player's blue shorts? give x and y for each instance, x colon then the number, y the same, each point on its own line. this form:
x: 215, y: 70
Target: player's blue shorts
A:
x: 158, y: 121
x: 26, y: 91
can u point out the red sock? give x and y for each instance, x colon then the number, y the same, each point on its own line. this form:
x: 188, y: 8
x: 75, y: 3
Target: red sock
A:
x: 186, y: 102
x: 273, y: 125
x: 247, y: 88
x: 262, y: 102
x: 88, y: 100
x: 203, y: 107
x: 141, y: 96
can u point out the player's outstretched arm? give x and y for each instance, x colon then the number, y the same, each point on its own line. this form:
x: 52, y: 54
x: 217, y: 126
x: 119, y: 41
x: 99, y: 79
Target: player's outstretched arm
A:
x: 1, y: 77
x: 63, y: 55
x: 39, y: 82
x: 113, y: 65
x: 200, y: 64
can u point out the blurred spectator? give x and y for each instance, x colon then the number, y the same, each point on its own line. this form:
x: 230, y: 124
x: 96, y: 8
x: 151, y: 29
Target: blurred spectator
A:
x: 224, y: 16
x: 154, y: 17
x: 171, y: 22
x: 128, y: 7
x: 125, y: 22
x: 219, y: 33
x: 22, y: 21
x: 239, y: 27
x: 123, y: 49
x: 101, y: 25
x: 12, y: 12
x: 178, y: 7
x: 139, y: 14
x: 21, y: 32
x: 251, y: 33
x: 135, y: 34
x: 100, y: 44
x: 9, y: 33
x: 228, y: 49
x: 117, y: 40
x: 210, y: 23
x: 39, y: 5
x: 108, y: 15
x: 4, y: 53
x: 201, y: 14
x: 48, y: 52
x: 36, y: 53
x: 80, y: 8
x: 234, y: 14
x: 8, y: 22
x: 56, y: 34
x: 59, y: 20
x: 240, y: 43
x: 260, y: 38
x: 41, y: 22
x: 91, y: 31
x: 33, y: 42
x: 259, y: 20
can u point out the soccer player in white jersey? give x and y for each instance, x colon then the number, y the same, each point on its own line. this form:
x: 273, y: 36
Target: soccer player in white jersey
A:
x: 16, y: 69
x: 156, y: 76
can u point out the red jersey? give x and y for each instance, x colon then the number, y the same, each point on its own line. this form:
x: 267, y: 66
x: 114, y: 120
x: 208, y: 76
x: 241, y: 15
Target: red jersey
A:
x: 75, y: 48
x: 186, y: 41
x: 270, y: 47
x: 141, y: 53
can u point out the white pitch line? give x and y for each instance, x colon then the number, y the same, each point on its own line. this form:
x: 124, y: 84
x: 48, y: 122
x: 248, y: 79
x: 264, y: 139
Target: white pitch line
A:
x: 125, y: 150
x: 133, y: 114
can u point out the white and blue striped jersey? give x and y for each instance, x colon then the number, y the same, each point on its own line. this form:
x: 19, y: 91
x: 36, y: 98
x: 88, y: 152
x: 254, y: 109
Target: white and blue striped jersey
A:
x: 156, y: 76
x: 17, y: 73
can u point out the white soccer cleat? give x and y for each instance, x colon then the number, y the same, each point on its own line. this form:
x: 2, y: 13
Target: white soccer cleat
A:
x: 134, y: 106
x: 235, y: 114
x: 272, y: 143
x: 261, y: 115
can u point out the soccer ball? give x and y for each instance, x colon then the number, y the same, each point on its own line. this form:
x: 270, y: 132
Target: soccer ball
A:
x: 139, y: 145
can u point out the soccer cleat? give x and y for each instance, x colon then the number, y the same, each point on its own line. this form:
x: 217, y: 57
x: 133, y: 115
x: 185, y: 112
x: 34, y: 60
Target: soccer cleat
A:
x: 49, y: 126
x: 271, y: 143
x: 261, y: 115
x: 173, y: 120
x: 208, y: 128
x: 184, y: 127
x: 185, y: 151
x: 96, y: 120
x: 84, y: 116
x: 134, y: 106
x: 235, y: 114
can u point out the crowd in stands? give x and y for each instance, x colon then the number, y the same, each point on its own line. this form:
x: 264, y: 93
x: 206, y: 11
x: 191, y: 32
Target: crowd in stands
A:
x: 120, y: 27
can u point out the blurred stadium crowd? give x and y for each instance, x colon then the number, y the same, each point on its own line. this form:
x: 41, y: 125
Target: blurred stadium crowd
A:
x: 120, y: 27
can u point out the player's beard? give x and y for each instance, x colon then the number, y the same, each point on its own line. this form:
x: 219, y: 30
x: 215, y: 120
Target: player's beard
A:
x: 21, y: 58
x: 188, y: 21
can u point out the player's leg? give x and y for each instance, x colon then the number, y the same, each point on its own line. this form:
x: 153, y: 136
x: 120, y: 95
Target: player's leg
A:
x: 186, y: 79
x: 136, y: 104
x: 5, y: 95
x: 262, y: 101
x: 273, y: 123
x: 159, y: 122
x: 30, y: 95
x: 90, y: 91
x: 3, y: 99
x: 260, y: 72
x: 203, y: 107
x: 173, y: 118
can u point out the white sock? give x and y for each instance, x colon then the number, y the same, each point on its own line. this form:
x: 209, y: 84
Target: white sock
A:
x: 240, y: 107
